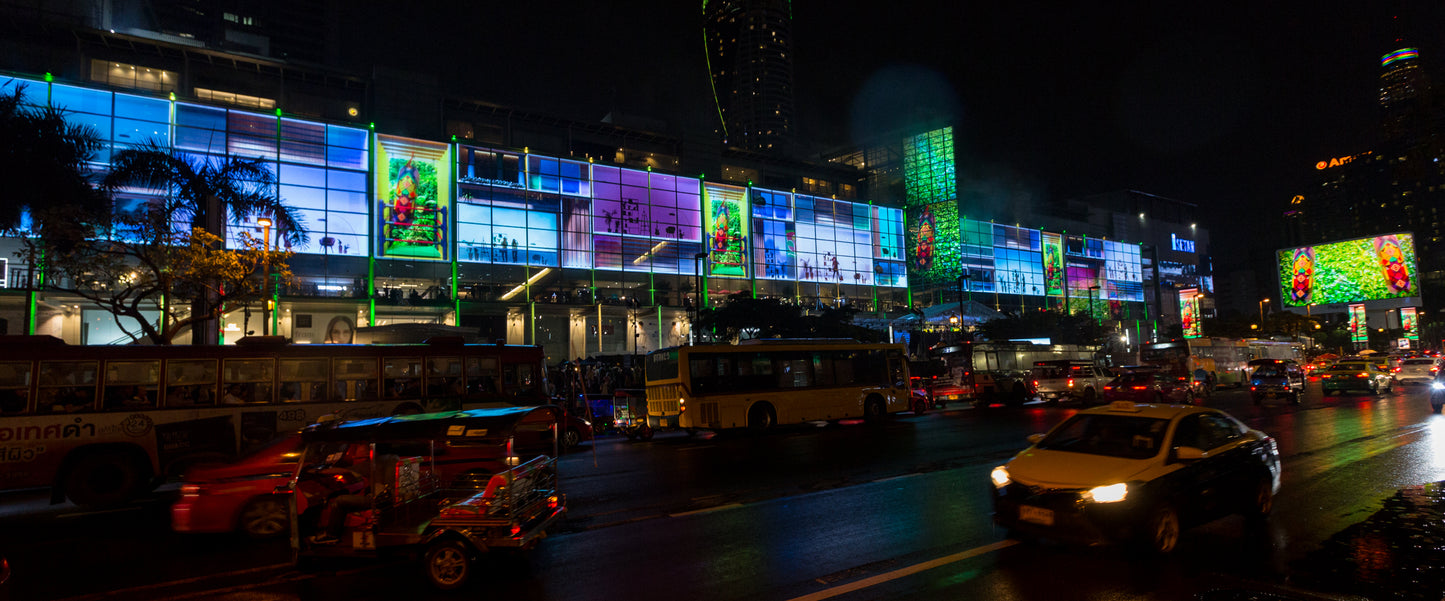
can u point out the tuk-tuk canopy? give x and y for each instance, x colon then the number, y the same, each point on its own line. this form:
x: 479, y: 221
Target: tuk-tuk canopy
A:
x: 471, y: 423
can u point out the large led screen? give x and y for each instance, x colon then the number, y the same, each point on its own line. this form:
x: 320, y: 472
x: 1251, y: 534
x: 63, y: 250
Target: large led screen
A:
x: 933, y: 243
x: 1410, y: 323
x: 1363, y: 269
x: 929, y: 174
x: 1359, y: 325
x: 1189, y: 317
x: 413, y: 188
x: 1053, y: 264
x: 727, y: 230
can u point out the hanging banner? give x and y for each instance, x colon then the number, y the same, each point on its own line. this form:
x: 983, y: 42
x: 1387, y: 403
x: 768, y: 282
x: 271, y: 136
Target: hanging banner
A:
x: 727, y: 230
x: 1189, y: 313
x: 1409, y: 322
x: 1359, y: 331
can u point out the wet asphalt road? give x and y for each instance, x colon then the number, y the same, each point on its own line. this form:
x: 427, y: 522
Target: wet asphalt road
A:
x: 849, y: 511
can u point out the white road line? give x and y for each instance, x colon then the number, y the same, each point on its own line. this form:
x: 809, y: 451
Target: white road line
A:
x: 708, y: 510
x: 901, y: 572
x: 892, y: 478
x: 159, y: 585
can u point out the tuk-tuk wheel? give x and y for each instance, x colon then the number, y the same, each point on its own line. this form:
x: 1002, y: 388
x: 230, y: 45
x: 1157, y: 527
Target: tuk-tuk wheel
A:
x: 645, y: 432
x: 448, y: 564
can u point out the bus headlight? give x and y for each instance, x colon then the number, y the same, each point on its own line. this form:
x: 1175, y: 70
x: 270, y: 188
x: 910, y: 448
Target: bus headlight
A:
x: 1000, y: 477
x: 681, y: 405
x: 1112, y: 493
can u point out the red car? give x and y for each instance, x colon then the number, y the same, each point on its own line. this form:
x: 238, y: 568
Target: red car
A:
x: 1148, y: 387
x: 241, y: 495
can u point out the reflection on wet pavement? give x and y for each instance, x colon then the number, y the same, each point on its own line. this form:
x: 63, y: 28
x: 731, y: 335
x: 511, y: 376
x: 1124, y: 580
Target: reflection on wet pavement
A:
x: 1397, y: 553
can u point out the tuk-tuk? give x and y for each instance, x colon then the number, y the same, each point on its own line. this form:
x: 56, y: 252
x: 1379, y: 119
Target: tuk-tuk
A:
x: 442, y: 487
x: 629, y: 413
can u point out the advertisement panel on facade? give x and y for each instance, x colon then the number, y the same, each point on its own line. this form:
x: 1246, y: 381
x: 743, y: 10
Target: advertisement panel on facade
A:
x: 1359, y: 330
x: 725, y: 211
x: 413, y: 190
x: 933, y: 243
x: 1410, y: 323
x: 1053, y: 264
x: 1363, y: 269
x: 1189, y: 317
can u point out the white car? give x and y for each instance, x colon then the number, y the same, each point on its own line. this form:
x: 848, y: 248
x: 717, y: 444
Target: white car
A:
x: 1417, y: 370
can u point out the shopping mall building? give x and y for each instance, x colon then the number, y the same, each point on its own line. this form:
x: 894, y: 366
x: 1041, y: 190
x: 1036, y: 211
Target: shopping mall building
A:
x: 586, y: 238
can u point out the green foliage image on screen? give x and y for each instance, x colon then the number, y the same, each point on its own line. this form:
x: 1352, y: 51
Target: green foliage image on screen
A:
x: 1375, y: 268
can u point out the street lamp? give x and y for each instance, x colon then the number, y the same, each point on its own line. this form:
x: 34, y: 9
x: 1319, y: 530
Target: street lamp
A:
x: 1093, y: 292
x: 1261, y: 313
x: 265, y: 223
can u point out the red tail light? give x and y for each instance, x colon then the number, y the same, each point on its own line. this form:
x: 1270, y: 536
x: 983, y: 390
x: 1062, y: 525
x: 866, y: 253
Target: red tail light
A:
x: 1434, y: 369
x: 1397, y: 370
x: 190, y: 489
x: 1071, y: 383
x: 1253, y: 388
x: 1362, y: 375
x: 1139, y: 387
x: 1036, y: 383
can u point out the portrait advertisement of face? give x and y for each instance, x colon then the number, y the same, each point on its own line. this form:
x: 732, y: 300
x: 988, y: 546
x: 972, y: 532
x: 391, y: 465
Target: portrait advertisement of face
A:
x: 340, y: 330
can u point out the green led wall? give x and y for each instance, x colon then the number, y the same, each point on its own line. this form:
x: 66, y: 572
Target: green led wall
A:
x: 928, y: 170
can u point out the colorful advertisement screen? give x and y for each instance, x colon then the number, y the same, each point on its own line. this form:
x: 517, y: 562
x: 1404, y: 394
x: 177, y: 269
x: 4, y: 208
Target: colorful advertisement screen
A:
x: 1053, y: 264
x: 1359, y: 330
x: 413, y: 189
x: 1410, y: 323
x: 1376, y: 268
x: 725, y: 211
x: 1189, y: 313
x: 932, y: 243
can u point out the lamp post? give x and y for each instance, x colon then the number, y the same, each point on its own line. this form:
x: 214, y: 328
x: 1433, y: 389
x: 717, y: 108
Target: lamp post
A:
x: 699, y: 262
x: 1261, y: 313
x: 1093, y: 293
x: 265, y: 223
x: 967, y: 276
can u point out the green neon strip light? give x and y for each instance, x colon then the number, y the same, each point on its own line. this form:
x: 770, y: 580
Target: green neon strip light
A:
x: 717, y: 102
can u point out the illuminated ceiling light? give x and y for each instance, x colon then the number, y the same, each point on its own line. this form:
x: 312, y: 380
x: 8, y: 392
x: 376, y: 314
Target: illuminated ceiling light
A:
x: 352, y: 111
x: 532, y: 280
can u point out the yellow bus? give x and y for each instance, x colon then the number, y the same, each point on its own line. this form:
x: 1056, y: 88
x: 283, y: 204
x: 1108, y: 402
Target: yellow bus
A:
x: 759, y: 384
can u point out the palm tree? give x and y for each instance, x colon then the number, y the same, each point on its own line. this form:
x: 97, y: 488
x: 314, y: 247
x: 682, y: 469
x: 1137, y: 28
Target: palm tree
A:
x: 44, y: 162
x: 205, y: 192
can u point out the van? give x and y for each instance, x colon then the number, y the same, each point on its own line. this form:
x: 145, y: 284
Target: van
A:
x: 1069, y: 379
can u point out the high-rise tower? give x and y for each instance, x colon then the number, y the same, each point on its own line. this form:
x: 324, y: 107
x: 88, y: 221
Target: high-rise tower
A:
x: 1403, y: 88
x: 750, y: 59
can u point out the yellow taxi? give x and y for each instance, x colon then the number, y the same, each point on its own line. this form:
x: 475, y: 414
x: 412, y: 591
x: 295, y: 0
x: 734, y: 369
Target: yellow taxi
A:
x: 1136, y: 472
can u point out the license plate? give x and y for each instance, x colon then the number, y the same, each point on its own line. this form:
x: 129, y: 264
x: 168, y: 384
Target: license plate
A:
x: 1270, y: 394
x: 1036, y: 515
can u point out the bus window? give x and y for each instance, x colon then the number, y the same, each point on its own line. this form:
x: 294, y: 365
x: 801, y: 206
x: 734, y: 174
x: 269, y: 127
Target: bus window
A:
x: 401, y: 377
x: 14, y: 387
x: 66, y: 386
x: 482, y: 374
x: 755, y: 372
x: 132, y: 384
x: 302, y: 380
x: 795, y: 370
x: 444, y: 377
x: 247, y: 381
x: 520, y: 380
x: 191, y: 383
x: 355, y: 379
x: 823, y: 368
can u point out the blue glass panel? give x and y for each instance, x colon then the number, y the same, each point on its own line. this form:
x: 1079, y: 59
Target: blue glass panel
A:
x: 346, y: 180
x: 200, y: 140
x: 146, y: 109
x: 538, y: 220
x: 192, y: 115
x: 349, y: 158
x: 131, y: 131
x: 302, y: 197
x: 81, y: 100
x: 571, y: 186
x: 342, y: 200
x: 101, y: 123
x: 346, y: 223
x: 303, y: 176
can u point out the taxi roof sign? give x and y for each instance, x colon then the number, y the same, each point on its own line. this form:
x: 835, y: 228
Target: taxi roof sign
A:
x: 1129, y: 406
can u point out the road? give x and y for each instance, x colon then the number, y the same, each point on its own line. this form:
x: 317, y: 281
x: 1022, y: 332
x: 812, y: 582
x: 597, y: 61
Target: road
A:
x: 849, y: 511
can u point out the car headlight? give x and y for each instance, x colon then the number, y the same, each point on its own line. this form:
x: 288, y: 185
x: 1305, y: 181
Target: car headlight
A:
x: 1112, y: 493
x: 1000, y: 477
x: 1437, y: 386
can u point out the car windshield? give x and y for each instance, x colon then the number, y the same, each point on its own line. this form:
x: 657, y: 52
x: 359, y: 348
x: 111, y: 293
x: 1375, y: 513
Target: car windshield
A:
x: 1419, y: 362
x: 1125, y: 436
x: 1046, y: 372
x: 1349, y: 367
x: 1269, y: 372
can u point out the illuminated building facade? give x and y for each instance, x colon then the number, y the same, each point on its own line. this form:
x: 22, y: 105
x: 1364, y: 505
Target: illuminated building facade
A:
x: 750, y: 60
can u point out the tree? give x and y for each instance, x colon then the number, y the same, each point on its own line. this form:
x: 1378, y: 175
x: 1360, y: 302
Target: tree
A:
x: 203, y: 193
x: 1078, y: 328
x: 744, y: 317
x: 45, y: 163
x: 147, y: 262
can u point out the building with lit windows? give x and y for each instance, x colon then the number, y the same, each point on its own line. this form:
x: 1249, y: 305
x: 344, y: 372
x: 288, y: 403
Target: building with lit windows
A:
x: 749, y: 50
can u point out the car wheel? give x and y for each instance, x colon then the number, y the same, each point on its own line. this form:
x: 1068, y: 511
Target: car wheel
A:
x: 571, y: 438
x: 1163, y: 531
x: 919, y: 407
x: 265, y: 517
x: 645, y: 432
x: 448, y: 564
x: 1295, y: 398
x: 1263, y: 500
x: 1090, y: 397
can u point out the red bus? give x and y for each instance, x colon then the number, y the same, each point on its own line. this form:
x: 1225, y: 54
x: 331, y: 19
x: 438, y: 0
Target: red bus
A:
x: 102, y: 424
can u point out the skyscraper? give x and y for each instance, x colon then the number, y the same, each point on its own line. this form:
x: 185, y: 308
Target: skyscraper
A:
x: 749, y: 53
x: 1403, y: 87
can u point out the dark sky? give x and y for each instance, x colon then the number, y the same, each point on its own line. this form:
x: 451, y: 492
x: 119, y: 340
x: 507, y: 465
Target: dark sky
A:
x: 1227, y: 105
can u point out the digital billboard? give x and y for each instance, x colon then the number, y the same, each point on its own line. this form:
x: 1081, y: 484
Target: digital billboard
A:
x: 1359, y: 328
x: 1350, y: 271
x: 1053, y: 264
x: 1189, y: 317
x: 413, y: 189
x: 1409, y: 322
x: 929, y: 174
x: 726, y: 230
x: 933, y: 243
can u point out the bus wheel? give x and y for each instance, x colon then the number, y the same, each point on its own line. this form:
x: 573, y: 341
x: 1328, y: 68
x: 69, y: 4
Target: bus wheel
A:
x: 873, y: 409
x: 104, y: 478
x: 448, y: 564
x: 760, y: 418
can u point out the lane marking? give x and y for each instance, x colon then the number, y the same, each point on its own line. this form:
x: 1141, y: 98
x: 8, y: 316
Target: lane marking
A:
x: 844, y: 589
x: 66, y: 516
x: 159, y: 585
x: 707, y: 510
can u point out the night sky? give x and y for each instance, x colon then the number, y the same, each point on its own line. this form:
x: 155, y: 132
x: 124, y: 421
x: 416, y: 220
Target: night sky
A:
x: 1227, y: 105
